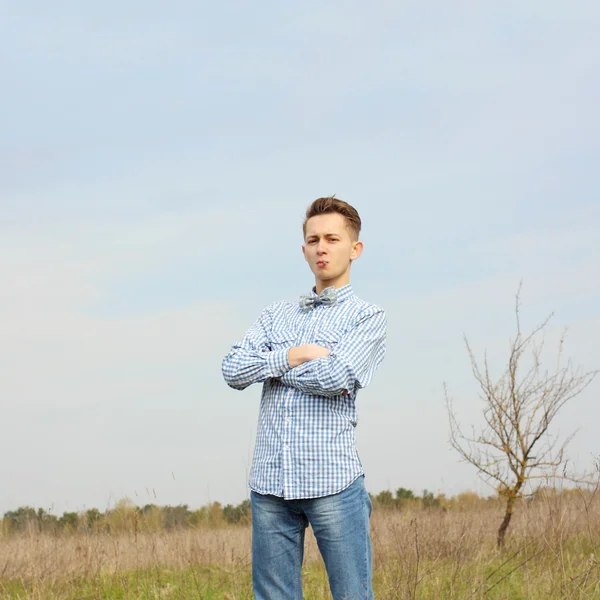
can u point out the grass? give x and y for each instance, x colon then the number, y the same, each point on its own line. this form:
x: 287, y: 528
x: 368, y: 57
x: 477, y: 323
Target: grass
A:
x: 551, y: 552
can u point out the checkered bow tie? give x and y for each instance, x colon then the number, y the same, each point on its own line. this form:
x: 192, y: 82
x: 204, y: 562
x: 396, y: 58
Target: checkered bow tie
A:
x: 328, y: 297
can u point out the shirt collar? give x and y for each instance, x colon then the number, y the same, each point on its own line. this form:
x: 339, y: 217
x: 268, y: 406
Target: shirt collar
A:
x: 343, y: 293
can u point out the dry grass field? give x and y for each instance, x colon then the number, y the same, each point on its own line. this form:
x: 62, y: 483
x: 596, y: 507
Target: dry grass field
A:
x: 552, y: 552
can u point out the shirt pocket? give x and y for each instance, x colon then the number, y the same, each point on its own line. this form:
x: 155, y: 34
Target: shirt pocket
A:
x: 282, y: 339
x: 329, y: 338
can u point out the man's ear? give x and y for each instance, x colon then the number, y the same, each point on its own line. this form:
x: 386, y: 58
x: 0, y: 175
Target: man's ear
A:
x: 357, y: 249
x: 304, y: 251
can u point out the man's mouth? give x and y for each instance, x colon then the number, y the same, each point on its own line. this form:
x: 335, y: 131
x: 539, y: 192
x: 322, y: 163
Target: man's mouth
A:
x: 322, y: 263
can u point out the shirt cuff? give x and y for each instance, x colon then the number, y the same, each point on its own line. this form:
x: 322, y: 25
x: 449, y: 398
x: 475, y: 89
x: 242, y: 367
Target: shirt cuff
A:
x: 278, y: 362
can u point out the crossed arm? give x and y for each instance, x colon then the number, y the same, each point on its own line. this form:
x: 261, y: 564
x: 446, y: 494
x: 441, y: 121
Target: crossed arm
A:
x: 311, y: 368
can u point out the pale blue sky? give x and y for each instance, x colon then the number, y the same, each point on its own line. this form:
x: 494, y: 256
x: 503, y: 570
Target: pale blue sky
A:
x: 155, y: 164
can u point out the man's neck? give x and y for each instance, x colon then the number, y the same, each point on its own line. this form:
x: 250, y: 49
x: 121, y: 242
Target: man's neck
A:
x: 339, y: 283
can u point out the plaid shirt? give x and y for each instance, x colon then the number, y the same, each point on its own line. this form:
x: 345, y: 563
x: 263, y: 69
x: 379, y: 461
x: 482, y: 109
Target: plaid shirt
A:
x: 305, y: 446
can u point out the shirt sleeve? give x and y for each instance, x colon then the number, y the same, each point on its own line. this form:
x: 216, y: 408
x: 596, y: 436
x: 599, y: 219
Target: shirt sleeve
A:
x: 252, y: 360
x: 350, y: 365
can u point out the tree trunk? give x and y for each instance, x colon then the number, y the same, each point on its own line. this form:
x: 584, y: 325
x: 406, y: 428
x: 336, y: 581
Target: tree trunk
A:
x: 510, y: 504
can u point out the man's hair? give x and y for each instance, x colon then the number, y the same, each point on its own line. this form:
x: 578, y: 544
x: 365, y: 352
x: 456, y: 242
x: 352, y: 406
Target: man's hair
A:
x: 331, y: 204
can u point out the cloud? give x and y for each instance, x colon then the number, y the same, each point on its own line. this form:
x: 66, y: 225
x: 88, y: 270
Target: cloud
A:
x: 156, y: 168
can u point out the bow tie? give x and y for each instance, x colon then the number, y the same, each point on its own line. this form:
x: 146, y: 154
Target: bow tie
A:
x: 328, y: 297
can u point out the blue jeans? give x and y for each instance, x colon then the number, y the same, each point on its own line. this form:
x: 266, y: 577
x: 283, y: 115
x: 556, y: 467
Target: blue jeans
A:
x: 341, y: 526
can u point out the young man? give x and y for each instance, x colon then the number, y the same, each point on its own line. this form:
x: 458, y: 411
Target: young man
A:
x: 312, y: 357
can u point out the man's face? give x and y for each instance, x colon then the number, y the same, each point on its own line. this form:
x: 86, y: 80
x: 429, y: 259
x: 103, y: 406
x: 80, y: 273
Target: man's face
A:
x: 329, y: 248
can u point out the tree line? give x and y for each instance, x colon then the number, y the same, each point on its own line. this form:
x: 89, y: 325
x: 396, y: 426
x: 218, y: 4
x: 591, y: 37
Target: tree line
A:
x: 127, y: 517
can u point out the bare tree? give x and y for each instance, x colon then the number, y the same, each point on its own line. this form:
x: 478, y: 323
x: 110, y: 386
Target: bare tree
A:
x: 514, y: 446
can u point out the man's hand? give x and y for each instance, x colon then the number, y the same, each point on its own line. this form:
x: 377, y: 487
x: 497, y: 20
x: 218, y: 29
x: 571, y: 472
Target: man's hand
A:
x: 302, y: 354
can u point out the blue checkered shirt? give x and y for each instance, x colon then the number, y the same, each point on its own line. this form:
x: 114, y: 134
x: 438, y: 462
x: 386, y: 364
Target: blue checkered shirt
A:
x: 305, y: 445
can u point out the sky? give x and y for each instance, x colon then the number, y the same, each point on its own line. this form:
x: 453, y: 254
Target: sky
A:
x: 156, y: 162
